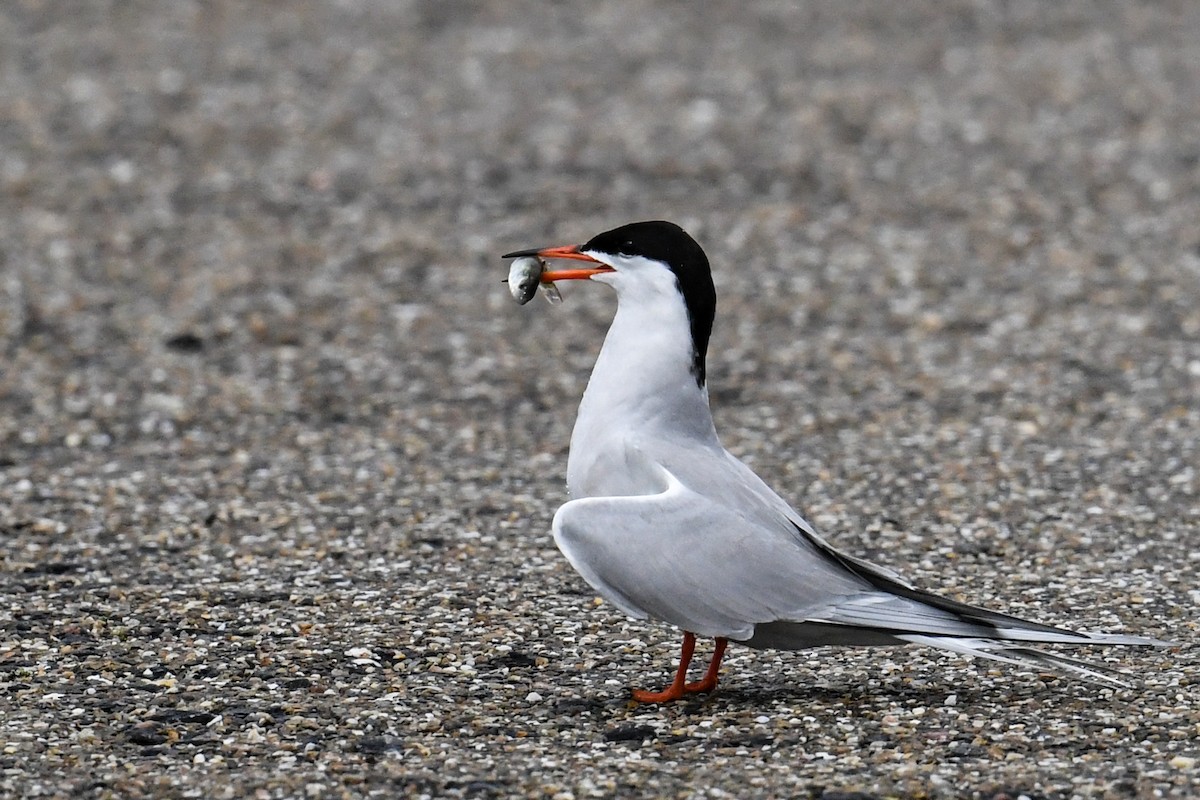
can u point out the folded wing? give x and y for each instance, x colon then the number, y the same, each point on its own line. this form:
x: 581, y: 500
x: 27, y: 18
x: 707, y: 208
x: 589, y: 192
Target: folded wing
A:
x: 750, y: 569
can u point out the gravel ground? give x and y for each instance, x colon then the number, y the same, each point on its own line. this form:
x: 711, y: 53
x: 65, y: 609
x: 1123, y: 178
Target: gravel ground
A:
x: 278, y: 453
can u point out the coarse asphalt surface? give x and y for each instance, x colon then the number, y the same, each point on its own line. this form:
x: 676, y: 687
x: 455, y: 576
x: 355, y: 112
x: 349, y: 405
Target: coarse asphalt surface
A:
x: 278, y: 453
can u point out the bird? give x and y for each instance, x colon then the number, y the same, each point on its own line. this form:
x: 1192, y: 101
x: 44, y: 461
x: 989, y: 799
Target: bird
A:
x: 666, y: 524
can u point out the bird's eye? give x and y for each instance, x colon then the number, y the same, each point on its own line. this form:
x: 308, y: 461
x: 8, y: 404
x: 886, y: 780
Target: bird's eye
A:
x: 626, y: 248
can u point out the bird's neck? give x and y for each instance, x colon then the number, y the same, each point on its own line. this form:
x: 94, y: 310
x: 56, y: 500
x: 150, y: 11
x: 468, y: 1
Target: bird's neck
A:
x: 643, y: 388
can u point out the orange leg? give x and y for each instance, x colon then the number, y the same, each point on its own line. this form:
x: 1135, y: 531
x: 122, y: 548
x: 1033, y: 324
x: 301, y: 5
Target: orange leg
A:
x: 679, y: 687
x: 709, y: 681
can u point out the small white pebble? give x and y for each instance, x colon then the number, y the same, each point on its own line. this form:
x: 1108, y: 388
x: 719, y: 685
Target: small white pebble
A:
x: 1183, y: 762
x: 762, y: 719
x: 533, y: 697
x: 951, y: 700
x: 122, y: 172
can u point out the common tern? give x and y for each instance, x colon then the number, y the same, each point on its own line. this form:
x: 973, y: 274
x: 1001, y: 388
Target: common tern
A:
x: 666, y: 524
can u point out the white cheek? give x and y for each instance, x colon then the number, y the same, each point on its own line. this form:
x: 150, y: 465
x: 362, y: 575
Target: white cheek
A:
x: 637, y: 275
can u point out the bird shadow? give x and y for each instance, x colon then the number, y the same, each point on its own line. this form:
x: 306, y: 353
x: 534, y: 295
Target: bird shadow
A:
x: 847, y: 695
x: 735, y: 697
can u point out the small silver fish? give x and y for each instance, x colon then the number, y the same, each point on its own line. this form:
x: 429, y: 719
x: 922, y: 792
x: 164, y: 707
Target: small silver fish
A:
x: 524, y: 276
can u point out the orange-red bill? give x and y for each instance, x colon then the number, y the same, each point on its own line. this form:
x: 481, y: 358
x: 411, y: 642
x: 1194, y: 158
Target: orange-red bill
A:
x: 552, y: 275
x: 567, y: 251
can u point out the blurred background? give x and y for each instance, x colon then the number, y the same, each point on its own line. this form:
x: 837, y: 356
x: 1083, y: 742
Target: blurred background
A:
x: 252, y: 324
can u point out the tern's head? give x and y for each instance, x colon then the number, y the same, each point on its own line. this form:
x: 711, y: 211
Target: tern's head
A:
x: 643, y: 261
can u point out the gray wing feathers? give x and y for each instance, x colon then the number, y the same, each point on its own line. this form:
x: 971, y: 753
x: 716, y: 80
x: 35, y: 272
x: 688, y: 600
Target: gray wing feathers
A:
x: 680, y: 557
x: 736, y: 561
